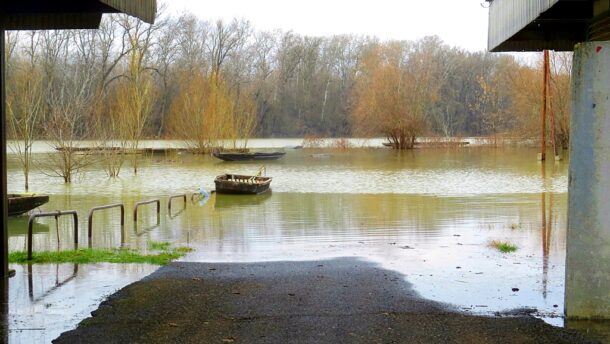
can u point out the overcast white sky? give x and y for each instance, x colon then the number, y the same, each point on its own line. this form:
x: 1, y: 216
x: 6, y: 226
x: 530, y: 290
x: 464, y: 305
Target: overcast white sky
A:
x: 460, y: 23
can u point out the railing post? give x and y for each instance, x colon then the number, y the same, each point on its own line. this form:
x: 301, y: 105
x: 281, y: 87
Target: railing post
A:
x: 90, y: 226
x: 30, y: 223
x: 122, y: 225
x: 75, y: 216
x: 158, y: 212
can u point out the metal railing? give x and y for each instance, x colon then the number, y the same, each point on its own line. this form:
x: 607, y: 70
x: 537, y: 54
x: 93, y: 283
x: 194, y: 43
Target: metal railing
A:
x: 90, y: 220
x: 137, y: 205
x: 56, y: 215
x: 169, y: 204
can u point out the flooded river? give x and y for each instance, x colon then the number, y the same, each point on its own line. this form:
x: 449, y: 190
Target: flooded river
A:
x: 429, y: 214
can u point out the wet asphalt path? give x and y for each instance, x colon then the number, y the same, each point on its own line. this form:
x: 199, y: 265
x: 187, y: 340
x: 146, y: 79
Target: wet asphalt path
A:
x: 343, y: 300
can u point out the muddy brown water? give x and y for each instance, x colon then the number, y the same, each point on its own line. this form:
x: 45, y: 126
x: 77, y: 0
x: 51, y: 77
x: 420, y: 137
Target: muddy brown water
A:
x: 429, y: 214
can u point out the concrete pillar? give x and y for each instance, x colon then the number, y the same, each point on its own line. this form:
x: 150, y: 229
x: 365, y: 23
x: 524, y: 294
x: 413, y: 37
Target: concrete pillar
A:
x: 588, y: 240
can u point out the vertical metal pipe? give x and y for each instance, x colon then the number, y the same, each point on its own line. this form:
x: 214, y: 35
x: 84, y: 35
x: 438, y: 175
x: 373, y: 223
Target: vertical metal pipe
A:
x: 3, y: 190
x: 544, y: 106
x: 75, y: 215
x: 90, y: 228
x: 551, y: 112
x: 30, y: 235
x: 158, y: 211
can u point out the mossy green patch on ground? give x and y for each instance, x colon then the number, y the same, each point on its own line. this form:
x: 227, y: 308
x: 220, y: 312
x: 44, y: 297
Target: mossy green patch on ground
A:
x: 86, y: 256
x: 504, y: 247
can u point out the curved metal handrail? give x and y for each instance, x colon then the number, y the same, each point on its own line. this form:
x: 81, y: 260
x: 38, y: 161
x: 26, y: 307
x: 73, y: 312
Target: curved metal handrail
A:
x: 137, y: 205
x: 94, y: 209
x: 55, y: 214
x: 169, y: 203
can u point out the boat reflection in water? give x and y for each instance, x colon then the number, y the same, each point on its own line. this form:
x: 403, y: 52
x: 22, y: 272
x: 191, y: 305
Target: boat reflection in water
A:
x: 240, y: 201
x: 18, y: 227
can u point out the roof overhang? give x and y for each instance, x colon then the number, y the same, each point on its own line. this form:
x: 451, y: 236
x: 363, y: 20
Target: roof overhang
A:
x: 534, y: 25
x: 69, y: 14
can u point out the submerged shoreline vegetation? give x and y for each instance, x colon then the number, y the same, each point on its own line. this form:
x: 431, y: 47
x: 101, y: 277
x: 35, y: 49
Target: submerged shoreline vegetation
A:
x: 504, y: 247
x: 160, y: 254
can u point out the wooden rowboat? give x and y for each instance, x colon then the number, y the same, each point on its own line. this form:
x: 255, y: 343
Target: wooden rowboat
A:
x: 245, y: 156
x: 22, y: 203
x: 242, y: 185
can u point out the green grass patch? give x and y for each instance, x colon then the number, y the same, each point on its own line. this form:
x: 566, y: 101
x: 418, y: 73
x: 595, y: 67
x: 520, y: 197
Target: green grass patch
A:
x: 158, y: 246
x: 88, y: 256
x: 504, y: 247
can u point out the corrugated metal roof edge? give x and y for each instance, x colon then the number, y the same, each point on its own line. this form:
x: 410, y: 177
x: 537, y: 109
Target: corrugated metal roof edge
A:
x: 146, y: 10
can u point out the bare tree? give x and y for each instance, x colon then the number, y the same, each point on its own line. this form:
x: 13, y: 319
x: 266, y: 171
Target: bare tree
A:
x: 136, y: 91
x: 225, y: 40
x: 394, y: 91
x: 70, y: 104
x: 24, y: 103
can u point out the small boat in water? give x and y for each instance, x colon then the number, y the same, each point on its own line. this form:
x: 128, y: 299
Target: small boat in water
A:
x: 22, y: 203
x: 245, y: 156
x: 242, y: 185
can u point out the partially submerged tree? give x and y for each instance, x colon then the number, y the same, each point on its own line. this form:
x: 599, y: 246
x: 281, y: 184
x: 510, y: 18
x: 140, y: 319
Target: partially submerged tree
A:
x: 135, y: 89
x: 394, y: 90
x: 205, y: 113
x: 492, y: 104
x: 24, y: 105
x: 561, y: 81
x: 240, y: 123
x: 70, y: 105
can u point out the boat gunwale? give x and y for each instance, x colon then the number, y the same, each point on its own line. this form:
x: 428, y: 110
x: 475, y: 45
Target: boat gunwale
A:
x: 225, y: 178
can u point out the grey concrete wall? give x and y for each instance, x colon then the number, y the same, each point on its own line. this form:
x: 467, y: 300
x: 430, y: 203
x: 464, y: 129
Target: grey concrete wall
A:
x: 588, y: 239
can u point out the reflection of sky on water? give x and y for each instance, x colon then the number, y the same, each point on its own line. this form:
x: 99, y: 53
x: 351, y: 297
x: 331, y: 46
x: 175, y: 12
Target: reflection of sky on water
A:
x: 50, y: 299
x: 429, y: 214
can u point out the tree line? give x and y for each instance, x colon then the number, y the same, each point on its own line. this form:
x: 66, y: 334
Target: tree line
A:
x: 213, y: 82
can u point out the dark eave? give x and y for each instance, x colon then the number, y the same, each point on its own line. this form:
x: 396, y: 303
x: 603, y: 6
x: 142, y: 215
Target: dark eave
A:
x: 69, y: 14
x: 534, y: 25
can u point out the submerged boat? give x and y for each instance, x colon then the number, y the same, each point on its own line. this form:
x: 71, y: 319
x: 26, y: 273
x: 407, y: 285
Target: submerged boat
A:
x: 245, y: 156
x: 242, y: 185
x: 22, y: 203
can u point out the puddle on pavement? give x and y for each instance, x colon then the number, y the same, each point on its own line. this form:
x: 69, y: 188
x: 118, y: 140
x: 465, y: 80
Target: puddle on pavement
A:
x: 428, y: 214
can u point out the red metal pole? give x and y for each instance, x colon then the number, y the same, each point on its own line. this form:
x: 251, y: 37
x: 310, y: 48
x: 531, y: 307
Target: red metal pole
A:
x: 544, y: 107
x: 551, y: 112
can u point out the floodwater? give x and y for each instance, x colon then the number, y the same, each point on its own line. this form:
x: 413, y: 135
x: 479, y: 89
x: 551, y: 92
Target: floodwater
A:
x: 430, y: 214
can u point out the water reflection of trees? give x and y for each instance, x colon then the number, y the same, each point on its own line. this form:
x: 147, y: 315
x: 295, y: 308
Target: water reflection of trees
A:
x: 292, y: 217
x: 546, y: 233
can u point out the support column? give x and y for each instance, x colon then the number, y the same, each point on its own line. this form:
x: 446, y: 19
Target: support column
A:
x: 3, y: 191
x: 587, y: 293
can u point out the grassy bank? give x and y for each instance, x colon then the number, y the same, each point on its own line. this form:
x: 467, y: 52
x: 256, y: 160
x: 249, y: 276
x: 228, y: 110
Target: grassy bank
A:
x: 164, y: 255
